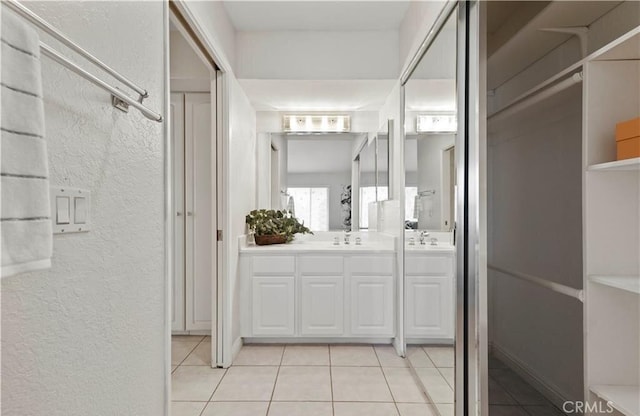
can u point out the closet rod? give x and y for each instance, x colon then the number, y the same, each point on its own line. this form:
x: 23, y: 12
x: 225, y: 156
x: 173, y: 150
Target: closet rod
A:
x: 556, y: 287
x: 535, y: 96
x: 48, y: 51
x: 44, y: 25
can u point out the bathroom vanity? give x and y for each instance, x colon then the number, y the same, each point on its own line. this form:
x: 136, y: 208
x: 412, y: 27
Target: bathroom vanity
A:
x: 315, y: 289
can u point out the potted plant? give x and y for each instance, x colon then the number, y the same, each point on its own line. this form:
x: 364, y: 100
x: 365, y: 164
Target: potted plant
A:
x: 273, y: 226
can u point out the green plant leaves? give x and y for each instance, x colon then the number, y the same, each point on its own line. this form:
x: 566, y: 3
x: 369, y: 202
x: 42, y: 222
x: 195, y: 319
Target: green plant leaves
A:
x: 275, y: 222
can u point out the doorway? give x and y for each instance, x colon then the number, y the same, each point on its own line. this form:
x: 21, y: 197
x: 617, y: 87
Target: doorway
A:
x: 194, y: 214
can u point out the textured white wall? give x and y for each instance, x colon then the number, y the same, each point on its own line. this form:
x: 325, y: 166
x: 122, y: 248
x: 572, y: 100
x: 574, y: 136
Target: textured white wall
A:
x: 87, y: 336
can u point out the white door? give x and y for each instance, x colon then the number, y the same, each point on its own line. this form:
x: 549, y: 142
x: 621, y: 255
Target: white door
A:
x: 273, y: 305
x: 372, y: 305
x: 177, y: 142
x: 429, y: 307
x: 322, y: 305
x: 200, y: 230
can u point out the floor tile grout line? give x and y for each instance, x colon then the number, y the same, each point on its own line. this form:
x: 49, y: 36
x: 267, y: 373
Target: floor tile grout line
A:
x: 421, y: 385
x: 445, y: 379
x: 187, y: 356
x: 275, y: 382
x: 395, y: 403
x: 333, y: 408
x: 226, y: 371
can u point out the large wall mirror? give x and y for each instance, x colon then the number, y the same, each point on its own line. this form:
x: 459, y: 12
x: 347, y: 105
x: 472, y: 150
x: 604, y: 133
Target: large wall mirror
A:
x: 318, y: 179
x: 430, y: 126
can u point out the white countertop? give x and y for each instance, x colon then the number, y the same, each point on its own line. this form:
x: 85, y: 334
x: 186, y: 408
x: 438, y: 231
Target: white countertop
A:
x: 318, y: 247
x: 327, y: 246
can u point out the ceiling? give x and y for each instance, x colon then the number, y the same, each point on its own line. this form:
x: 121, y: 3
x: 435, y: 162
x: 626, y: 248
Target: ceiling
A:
x: 317, y: 95
x: 316, y: 15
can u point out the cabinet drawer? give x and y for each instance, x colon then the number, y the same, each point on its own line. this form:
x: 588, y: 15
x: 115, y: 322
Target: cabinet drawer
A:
x: 428, y: 265
x: 274, y: 265
x: 371, y: 265
x: 321, y: 265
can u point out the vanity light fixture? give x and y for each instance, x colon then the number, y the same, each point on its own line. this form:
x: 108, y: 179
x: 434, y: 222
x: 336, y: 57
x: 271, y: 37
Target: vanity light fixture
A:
x: 316, y: 123
x: 437, y: 123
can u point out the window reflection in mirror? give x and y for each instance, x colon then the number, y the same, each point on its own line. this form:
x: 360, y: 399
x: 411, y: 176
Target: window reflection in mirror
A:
x: 318, y: 179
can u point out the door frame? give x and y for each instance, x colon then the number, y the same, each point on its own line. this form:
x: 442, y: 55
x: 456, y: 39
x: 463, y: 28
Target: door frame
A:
x: 177, y: 12
x: 211, y: 50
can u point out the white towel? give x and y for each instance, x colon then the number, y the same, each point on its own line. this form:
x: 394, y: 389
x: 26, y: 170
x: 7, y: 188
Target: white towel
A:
x: 25, y: 223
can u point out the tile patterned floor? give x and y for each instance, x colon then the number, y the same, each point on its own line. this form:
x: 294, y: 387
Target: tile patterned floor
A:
x: 318, y: 380
x: 336, y: 380
x: 510, y: 395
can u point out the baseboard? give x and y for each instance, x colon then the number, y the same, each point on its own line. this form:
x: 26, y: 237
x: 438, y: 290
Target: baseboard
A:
x: 198, y: 332
x: 430, y: 341
x: 548, y: 390
x: 320, y: 340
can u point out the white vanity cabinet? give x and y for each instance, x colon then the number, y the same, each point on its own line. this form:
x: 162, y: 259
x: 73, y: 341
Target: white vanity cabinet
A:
x: 430, y: 296
x: 273, y: 295
x: 321, y: 295
x: 317, y: 295
x: 371, y: 295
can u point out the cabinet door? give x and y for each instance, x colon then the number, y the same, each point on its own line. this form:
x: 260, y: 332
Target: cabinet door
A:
x: 200, y: 256
x: 372, y: 305
x: 273, y: 305
x: 429, y: 307
x: 322, y: 305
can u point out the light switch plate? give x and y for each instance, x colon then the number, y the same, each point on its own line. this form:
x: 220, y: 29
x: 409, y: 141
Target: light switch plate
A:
x: 70, y: 210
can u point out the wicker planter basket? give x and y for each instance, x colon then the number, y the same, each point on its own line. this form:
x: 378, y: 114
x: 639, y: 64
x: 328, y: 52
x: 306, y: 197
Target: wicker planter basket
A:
x: 263, y: 240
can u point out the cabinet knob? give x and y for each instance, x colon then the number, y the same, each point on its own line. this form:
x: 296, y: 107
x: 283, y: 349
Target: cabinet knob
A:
x: 179, y: 214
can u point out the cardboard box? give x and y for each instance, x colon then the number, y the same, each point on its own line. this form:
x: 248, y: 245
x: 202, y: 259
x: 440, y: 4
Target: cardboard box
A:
x: 628, y: 139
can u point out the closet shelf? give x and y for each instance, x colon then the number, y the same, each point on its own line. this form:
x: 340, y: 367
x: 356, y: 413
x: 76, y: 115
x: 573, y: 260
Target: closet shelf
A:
x: 530, y: 43
x: 627, y: 164
x: 624, y: 47
x: 625, y: 399
x: 628, y: 283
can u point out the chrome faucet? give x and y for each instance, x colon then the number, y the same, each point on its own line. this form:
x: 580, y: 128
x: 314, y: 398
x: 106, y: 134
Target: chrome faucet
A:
x: 423, y: 234
x: 347, y: 234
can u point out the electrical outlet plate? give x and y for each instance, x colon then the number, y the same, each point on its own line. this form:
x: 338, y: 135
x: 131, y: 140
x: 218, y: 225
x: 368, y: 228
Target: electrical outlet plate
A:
x: 70, y: 209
